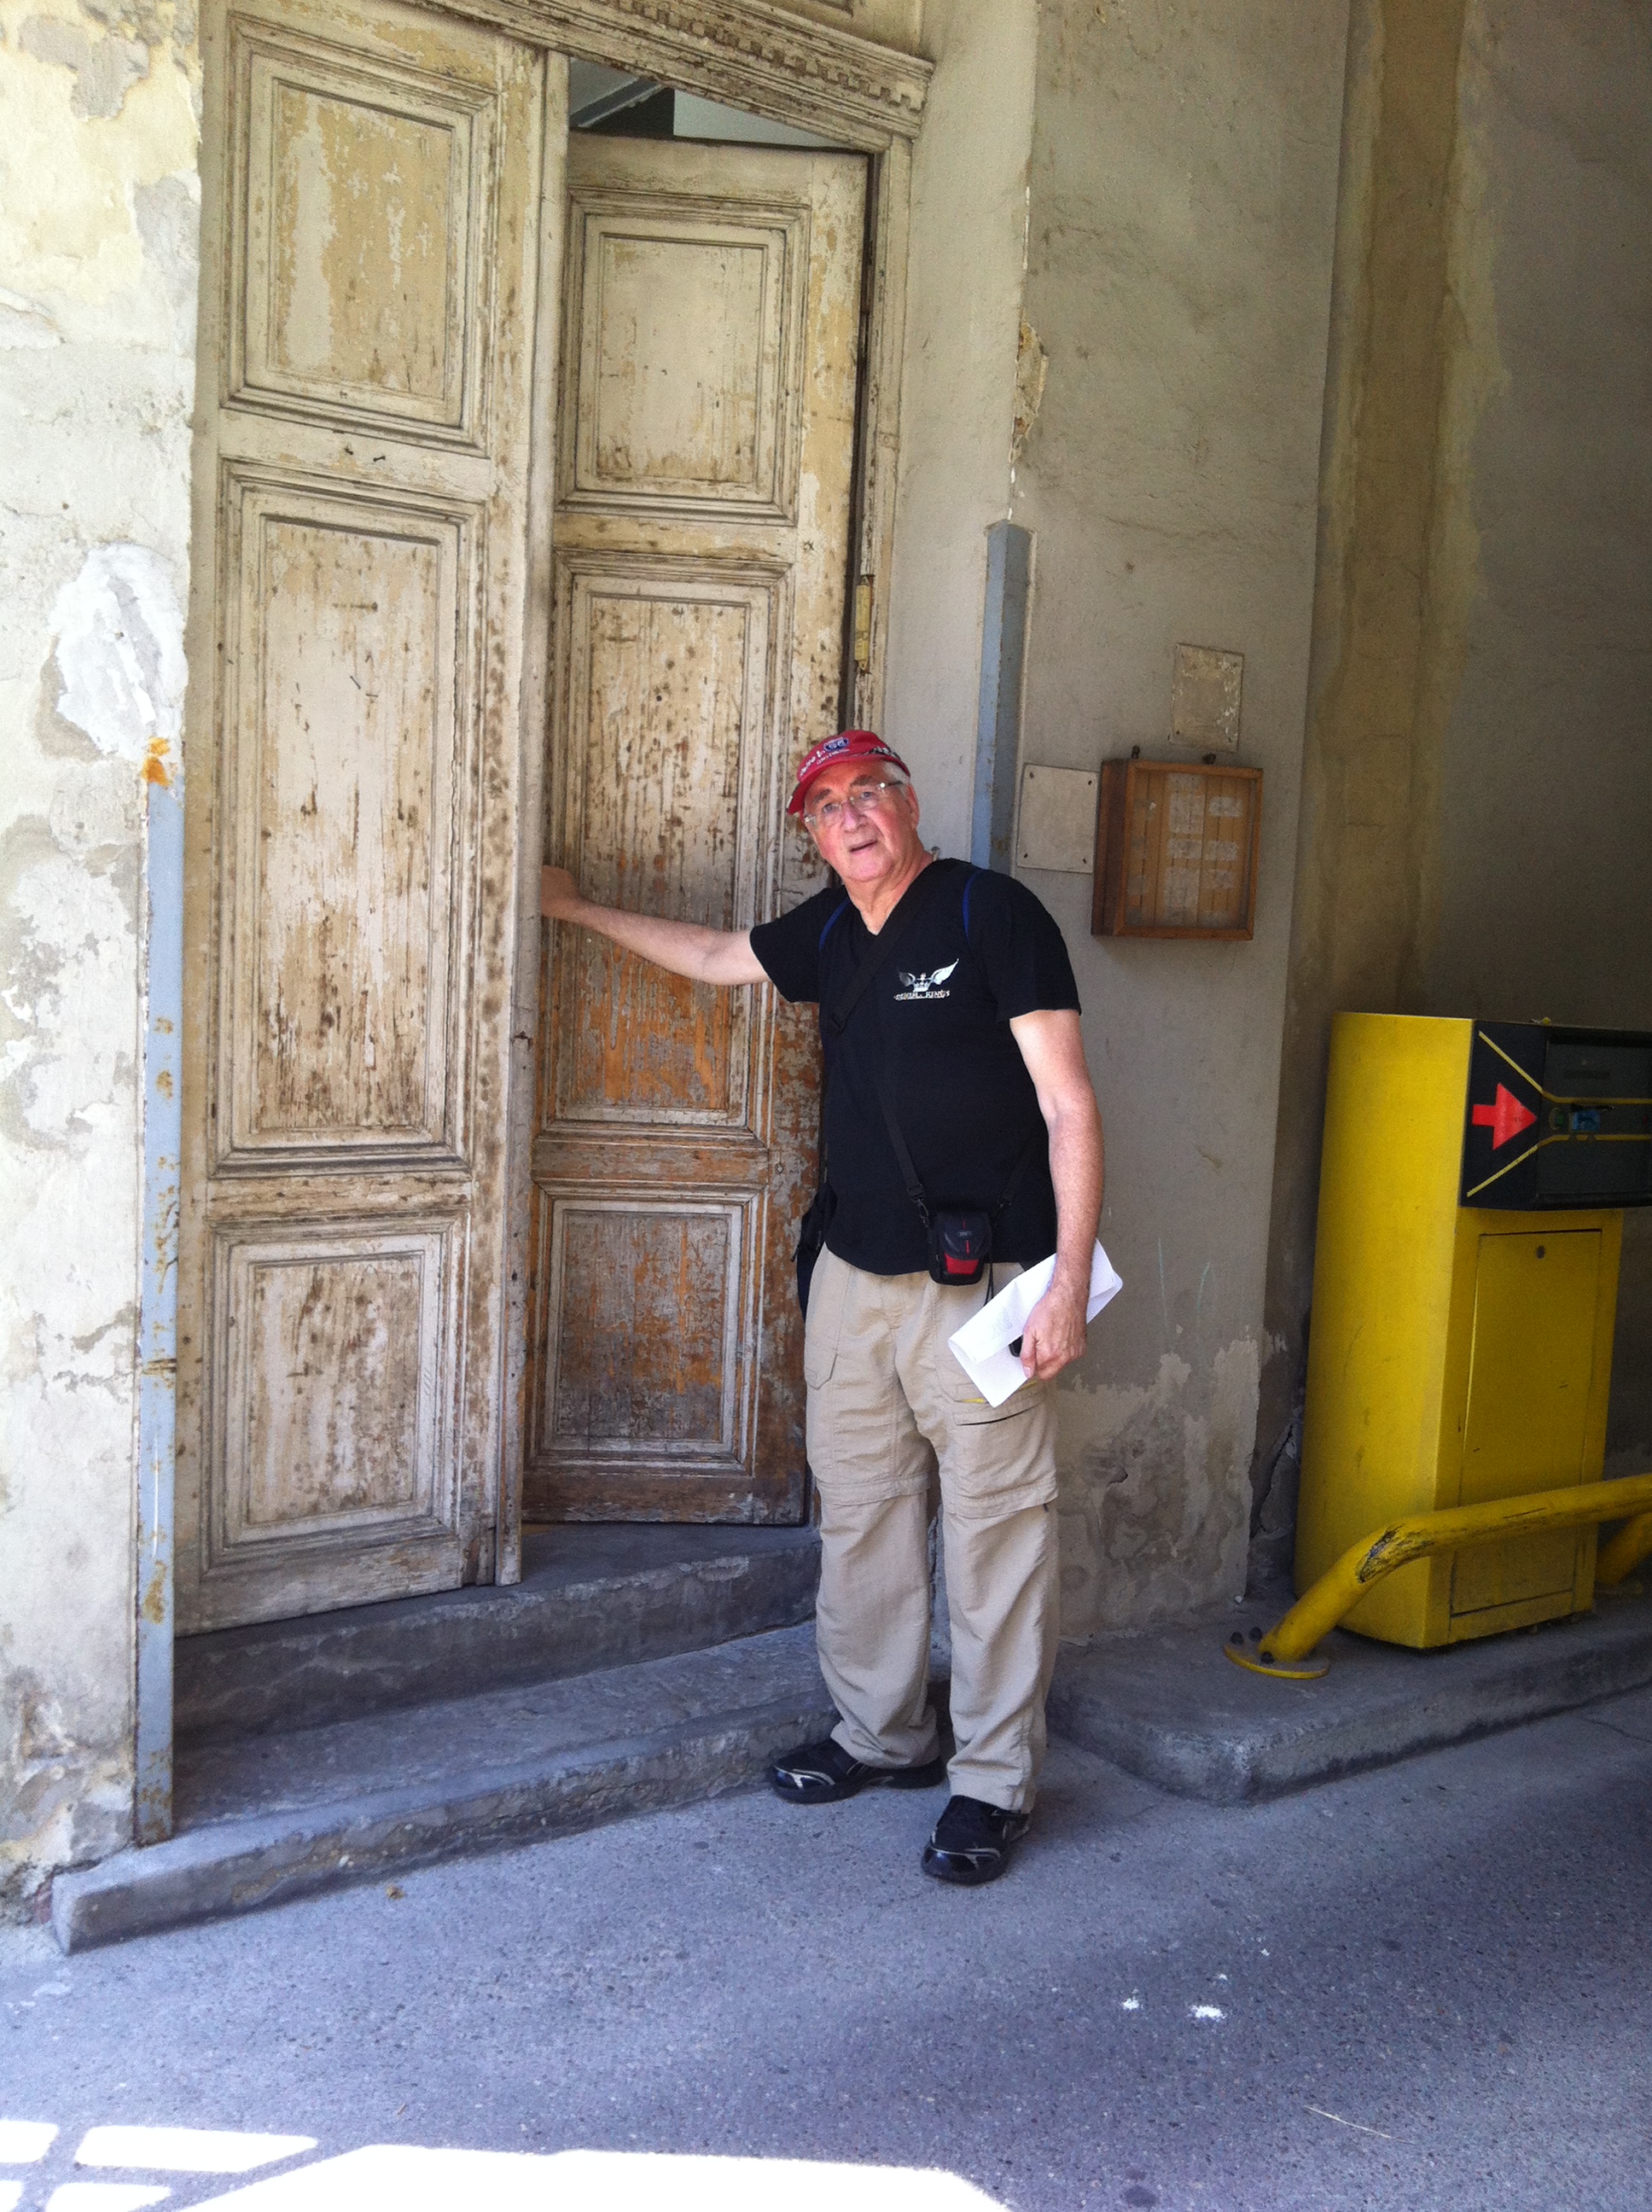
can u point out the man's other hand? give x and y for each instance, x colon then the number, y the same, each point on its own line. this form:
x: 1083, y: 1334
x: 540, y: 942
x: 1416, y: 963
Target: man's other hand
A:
x: 1055, y: 1335
x: 559, y: 894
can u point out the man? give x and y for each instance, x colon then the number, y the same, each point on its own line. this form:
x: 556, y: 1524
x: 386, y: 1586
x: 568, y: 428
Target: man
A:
x: 963, y: 1050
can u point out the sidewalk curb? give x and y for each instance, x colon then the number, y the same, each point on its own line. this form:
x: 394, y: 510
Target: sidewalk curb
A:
x: 240, y: 1866
x: 1167, y: 1705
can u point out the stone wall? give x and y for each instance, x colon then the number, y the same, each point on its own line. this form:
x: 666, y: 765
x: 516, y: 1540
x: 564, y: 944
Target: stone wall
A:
x: 98, y: 229
x: 1540, y: 870
x: 966, y: 271
x: 1477, y: 824
x: 1184, y: 186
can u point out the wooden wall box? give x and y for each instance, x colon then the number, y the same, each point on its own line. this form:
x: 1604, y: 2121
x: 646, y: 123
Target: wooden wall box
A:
x: 1175, y: 850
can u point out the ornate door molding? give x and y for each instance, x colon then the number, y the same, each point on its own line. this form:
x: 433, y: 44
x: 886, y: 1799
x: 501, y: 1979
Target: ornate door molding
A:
x: 748, y: 53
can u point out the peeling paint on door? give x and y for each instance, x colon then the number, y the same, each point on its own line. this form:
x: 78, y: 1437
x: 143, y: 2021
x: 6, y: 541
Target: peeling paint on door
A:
x: 354, y: 819
x: 703, y: 550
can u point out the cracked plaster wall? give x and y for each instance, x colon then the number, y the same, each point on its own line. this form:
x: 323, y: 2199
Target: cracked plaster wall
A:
x: 1476, y: 823
x: 98, y: 276
x: 1183, y: 203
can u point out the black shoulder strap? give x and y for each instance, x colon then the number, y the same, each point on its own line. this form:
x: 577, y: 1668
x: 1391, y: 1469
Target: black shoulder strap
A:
x: 908, y: 1172
x: 884, y: 947
x: 1036, y: 1135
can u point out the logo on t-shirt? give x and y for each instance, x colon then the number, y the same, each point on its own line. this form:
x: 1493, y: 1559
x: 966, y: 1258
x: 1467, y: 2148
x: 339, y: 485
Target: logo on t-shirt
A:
x: 924, y: 987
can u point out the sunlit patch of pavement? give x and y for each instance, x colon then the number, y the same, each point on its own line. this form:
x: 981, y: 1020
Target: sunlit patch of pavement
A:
x: 411, y: 2178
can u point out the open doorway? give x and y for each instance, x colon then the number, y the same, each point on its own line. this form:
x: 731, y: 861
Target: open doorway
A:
x: 613, y: 102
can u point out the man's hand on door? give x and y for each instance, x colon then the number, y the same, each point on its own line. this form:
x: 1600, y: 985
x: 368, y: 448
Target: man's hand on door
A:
x: 705, y: 956
x: 559, y: 894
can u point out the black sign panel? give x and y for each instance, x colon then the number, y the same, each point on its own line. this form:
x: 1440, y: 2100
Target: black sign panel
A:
x: 1557, y: 1118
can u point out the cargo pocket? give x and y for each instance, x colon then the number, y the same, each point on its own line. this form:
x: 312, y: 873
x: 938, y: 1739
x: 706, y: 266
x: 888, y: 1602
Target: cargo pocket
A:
x: 824, y: 1329
x: 960, y: 1397
x: 1001, y: 1458
x: 998, y: 1459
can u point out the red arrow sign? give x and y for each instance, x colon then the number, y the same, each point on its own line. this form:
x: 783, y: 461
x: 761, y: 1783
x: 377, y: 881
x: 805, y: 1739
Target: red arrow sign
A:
x: 1505, y: 1119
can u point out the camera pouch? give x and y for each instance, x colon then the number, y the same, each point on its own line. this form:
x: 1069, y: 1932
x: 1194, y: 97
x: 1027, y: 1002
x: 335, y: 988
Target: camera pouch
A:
x: 960, y: 1245
x: 960, y: 1237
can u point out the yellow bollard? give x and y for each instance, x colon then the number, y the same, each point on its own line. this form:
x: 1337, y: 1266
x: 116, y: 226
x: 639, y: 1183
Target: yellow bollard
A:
x: 1619, y: 1558
x: 1284, y: 1650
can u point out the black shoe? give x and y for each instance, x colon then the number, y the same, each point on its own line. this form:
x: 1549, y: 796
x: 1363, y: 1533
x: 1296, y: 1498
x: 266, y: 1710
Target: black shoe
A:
x: 822, y: 1774
x: 972, y: 1841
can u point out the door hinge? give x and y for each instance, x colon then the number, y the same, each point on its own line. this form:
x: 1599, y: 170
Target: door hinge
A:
x: 863, y: 623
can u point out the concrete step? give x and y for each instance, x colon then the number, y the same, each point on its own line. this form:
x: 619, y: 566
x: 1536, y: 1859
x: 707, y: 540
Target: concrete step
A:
x: 1166, y: 1704
x: 589, y: 1597
x: 271, y: 1816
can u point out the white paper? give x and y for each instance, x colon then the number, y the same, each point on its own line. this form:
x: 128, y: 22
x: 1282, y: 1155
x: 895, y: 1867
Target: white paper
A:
x: 982, y: 1346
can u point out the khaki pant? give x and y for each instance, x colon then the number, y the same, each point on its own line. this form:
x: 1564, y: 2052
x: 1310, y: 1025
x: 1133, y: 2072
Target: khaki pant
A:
x: 887, y: 1402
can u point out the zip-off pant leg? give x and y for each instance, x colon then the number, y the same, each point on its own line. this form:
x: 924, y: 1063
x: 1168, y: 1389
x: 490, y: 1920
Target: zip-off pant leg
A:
x: 872, y: 1471
x: 883, y: 1391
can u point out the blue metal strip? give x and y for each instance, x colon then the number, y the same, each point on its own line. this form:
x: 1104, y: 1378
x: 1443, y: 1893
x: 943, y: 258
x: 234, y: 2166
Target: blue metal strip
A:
x: 158, y: 1290
x: 997, y: 717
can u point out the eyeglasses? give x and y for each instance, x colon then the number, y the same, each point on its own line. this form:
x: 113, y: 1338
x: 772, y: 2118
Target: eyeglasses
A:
x: 864, y: 797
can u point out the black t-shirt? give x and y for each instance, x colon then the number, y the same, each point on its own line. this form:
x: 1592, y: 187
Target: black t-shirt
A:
x: 937, y: 1020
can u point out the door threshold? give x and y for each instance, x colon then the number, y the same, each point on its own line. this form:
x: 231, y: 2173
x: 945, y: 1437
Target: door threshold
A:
x: 591, y: 1595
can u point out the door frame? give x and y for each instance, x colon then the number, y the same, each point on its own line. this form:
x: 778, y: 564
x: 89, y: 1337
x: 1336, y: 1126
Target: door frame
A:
x: 752, y: 54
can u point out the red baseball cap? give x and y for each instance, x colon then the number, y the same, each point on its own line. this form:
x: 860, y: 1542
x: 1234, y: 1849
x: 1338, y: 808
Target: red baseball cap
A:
x: 847, y: 745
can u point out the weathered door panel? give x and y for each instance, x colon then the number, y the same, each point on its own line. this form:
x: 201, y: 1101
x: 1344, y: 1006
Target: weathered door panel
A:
x: 373, y: 176
x: 702, y: 545
x: 342, y: 786
x: 669, y: 685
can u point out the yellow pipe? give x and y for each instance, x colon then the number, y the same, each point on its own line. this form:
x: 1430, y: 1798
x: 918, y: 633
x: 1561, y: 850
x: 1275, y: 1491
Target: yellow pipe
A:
x: 1624, y: 1552
x: 1322, y: 1606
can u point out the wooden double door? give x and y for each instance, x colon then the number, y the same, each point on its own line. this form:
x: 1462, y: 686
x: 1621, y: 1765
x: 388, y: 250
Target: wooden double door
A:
x: 435, y: 577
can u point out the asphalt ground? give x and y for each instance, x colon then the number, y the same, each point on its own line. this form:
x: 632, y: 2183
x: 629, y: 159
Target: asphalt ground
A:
x: 1424, y: 1987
